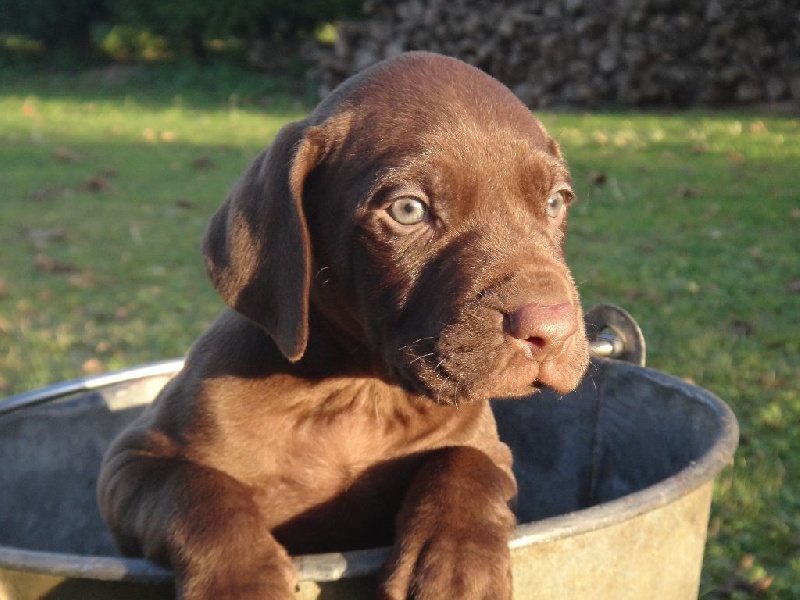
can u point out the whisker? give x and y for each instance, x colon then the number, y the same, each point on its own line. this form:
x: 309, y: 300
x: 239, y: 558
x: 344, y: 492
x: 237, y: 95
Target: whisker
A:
x: 421, y: 356
x: 422, y: 339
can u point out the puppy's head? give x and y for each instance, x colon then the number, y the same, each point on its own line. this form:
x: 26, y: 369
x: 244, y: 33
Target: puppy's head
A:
x: 421, y: 209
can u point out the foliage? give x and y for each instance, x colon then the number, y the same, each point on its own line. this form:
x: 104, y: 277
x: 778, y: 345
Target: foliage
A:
x: 149, y: 29
x: 53, y: 23
x: 125, y: 43
x: 688, y: 221
x: 248, y: 19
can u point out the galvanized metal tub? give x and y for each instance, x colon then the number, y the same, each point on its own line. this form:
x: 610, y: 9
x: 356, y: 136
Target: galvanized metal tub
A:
x: 615, y: 485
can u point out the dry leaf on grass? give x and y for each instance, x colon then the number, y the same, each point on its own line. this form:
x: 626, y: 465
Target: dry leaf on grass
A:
x: 684, y: 190
x: 83, y: 280
x: 29, y: 109
x: 598, y: 178
x: 65, y: 155
x: 184, y: 204
x: 93, y: 366
x: 51, y: 265
x: 204, y: 163
x: 43, y: 237
x: 736, y: 156
x: 97, y: 183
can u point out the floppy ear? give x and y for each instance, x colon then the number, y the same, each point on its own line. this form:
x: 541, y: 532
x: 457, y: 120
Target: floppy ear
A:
x: 257, y: 248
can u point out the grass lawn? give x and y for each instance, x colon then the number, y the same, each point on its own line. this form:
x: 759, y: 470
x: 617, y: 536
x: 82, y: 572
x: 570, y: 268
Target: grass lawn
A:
x: 689, y: 221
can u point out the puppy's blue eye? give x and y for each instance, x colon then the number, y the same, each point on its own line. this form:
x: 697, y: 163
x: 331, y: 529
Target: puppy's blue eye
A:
x: 408, y: 210
x: 555, y: 205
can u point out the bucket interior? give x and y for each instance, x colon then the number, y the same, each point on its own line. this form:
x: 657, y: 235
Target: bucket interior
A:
x: 625, y: 428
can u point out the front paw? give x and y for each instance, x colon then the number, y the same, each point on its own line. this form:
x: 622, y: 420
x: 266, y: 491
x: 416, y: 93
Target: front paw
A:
x: 453, y: 531
x: 265, y: 572
x: 472, y: 564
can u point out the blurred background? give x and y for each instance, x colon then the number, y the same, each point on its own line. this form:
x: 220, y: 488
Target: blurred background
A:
x: 576, y: 53
x: 124, y: 122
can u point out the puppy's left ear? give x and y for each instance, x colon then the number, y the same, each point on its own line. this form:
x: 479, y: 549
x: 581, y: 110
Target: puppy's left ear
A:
x: 257, y: 247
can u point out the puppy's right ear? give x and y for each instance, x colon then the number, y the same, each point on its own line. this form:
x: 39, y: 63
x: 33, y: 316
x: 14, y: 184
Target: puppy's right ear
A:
x: 257, y: 247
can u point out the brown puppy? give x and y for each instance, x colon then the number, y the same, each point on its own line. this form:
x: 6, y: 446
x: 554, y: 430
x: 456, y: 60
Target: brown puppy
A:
x: 391, y: 262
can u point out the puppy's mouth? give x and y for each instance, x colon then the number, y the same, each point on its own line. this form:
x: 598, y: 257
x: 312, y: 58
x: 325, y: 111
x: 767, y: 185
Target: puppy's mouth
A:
x: 477, y: 359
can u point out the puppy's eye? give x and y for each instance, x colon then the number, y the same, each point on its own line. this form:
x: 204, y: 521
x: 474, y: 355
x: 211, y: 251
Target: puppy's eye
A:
x: 555, y: 205
x: 408, y: 210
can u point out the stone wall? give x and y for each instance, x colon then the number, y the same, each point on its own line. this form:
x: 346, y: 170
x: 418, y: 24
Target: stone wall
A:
x: 592, y: 53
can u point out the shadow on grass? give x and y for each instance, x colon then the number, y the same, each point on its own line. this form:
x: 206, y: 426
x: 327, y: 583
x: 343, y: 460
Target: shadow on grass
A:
x: 215, y: 85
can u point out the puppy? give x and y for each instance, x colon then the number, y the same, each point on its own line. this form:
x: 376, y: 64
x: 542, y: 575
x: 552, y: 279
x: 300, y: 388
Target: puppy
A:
x: 390, y: 263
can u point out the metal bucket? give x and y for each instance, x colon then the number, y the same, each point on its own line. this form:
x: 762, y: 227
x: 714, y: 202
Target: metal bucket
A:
x: 615, y: 486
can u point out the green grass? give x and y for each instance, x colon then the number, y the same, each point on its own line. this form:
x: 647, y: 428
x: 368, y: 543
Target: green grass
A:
x: 690, y: 221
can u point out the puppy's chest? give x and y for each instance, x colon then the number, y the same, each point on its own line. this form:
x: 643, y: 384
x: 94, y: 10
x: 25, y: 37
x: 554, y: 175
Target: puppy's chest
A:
x: 329, y: 454
x: 358, y: 458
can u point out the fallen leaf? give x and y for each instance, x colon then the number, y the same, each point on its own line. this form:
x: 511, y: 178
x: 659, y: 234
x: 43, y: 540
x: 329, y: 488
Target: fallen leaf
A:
x: 184, y: 204
x: 597, y: 178
x: 29, y: 110
x: 149, y: 134
x: 793, y: 286
x: 45, y: 236
x: 97, y: 183
x: 685, y: 190
x: 50, y: 265
x: 795, y: 214
x: 93, y: 366
x: 762, y: 584
x: 700, y: 148
x: 83, y: 280
x: 757, y: 127
x: 747, y: 561
x: 167, y: 136
x: 736, y: 156
x: 65, y: 155
x: 204, y: 163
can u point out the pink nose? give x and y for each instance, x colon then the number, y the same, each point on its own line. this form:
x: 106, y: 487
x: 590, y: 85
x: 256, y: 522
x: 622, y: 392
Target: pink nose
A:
x: 541, y: 328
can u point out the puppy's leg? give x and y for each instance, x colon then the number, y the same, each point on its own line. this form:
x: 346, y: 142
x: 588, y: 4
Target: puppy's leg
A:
x: 201, y: 522
x: 453, y: 531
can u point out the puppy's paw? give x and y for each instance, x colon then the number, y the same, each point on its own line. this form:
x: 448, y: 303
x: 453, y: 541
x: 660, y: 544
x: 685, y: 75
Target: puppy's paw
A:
x: 453, y: 531
x: 267, y: 573
x: 470, y: 564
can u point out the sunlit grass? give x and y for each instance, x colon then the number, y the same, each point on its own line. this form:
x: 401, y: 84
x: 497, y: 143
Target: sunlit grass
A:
x: 690, y: 221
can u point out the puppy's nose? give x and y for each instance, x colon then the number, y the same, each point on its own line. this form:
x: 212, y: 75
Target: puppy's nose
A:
x: 541, y: 329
